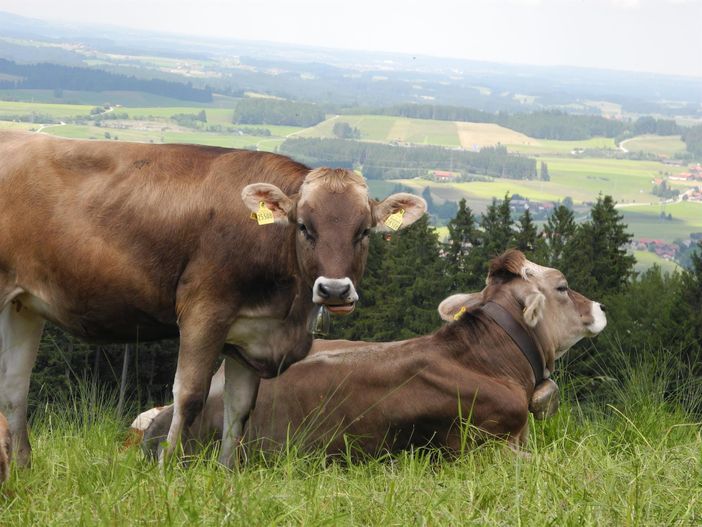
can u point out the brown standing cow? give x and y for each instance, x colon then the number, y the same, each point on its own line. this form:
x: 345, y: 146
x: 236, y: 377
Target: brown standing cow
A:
x: 392, y: 395
x: 126, y: 241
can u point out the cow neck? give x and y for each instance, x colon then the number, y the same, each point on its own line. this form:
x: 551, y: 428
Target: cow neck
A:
x: 525, y: 341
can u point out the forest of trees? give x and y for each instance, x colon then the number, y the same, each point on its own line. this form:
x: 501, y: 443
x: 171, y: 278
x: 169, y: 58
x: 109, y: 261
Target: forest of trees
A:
x: 693, y: 139
x: 56, y: 77
x: 410, y: 272
x: 277, y: 112
x: 380, y: 161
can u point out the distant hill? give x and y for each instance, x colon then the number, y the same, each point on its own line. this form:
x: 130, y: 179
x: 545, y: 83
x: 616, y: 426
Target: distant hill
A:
x: 59, y: 77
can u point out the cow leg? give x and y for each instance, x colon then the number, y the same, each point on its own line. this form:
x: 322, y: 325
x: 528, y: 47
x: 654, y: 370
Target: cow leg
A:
x: 200, y: 345
x: 240, y: 389
x: 20, y: 333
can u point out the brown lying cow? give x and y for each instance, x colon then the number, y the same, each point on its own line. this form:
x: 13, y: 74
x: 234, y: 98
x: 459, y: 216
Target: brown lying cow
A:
x: 5, y: 449
x: 390, y: 396
x: 126, y: 241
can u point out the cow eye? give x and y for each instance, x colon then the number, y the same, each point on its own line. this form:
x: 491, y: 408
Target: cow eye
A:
x: 306, y: 233
x: 562, y: 288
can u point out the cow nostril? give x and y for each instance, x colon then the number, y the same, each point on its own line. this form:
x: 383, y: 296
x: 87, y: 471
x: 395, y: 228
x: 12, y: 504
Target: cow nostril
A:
x: 602, y: 307
x: 323, y: 291
x: 345, y: 291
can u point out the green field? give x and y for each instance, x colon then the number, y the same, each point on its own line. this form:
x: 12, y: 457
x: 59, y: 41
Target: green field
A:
x: 166, y: 136
x: 125, y: 98
x: 646, y: 221
x: 645, y: 259
x: 58, y: 111
x: 545, y: 146
x: 668, y: 145
x: 635, y: 458
x: 581, y: 179
x: 584, y: 178
x: 384, y: 128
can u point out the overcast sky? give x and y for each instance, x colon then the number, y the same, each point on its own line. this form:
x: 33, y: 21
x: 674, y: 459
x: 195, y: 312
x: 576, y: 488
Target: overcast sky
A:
x: 663, y: 36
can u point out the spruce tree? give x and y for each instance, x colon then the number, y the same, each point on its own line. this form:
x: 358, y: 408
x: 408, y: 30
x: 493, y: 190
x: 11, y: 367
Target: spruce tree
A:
x: 596, y: 260
x: 558, y: 231
x: 401, y: 296
x: 497, y: 234
x: 544, y: 172
x: 463, y: 238
x: 526, y: 237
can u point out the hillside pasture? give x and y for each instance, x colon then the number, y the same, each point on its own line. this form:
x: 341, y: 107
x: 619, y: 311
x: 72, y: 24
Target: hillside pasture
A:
x: 646, y: 259
x: 169, y: 135
x: 646, y: 221
x: 666, y: 145
x: 124, y: 98
x: 585, y: 178
x: 386, y: 129
x: 544, y: 147
x: 581, y: 179
x: 477, y: 135
x: 56, y: 111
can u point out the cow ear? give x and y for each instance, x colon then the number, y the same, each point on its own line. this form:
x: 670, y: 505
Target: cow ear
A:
x: 269, y: 196
x: 451, y: 307
x: 534, y: 306
x: 408, y: 207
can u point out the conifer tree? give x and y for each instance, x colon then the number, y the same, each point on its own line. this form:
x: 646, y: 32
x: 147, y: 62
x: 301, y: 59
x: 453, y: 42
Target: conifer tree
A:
x: 596, y: 260
x: 558, y: 231
x: 463, y: 238
x: 403, y: 295
x: 526, y: 237
x: 497, y: 235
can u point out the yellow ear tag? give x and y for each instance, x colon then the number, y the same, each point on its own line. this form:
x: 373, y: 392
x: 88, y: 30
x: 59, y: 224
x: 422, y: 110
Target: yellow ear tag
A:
x: 394, y: 221
x: 458, y: 315
x: 264, y: 215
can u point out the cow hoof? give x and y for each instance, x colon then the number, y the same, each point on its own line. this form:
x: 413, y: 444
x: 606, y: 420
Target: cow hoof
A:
x: 545, y: 400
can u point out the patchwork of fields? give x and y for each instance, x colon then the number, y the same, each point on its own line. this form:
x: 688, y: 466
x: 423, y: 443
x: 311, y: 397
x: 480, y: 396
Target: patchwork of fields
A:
x: 581, y: 178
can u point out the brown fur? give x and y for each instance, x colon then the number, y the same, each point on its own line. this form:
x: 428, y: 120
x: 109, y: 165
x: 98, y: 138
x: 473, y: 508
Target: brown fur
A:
x: 5, y: 449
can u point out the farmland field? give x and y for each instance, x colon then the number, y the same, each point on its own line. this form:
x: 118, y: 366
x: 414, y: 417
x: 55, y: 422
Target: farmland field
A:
x: 645, y: 259
x: 655, y: 144
x: 539, y: 147
x: 581, y: 179
x: 384, y: 128
x: 646, y: 221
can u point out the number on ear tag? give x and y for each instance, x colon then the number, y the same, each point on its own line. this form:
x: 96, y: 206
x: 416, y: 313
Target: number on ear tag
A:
x: 394, y: 221
x: 264, y: 216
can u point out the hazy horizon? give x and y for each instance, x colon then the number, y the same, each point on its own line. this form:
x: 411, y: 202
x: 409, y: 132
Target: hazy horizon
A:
x: 654, y: 36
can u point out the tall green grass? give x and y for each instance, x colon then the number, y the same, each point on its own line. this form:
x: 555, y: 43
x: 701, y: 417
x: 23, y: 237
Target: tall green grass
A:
x: 630, y: 456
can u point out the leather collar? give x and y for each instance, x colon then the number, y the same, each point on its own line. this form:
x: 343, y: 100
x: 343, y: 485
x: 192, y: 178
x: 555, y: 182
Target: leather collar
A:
x: 519, y: 335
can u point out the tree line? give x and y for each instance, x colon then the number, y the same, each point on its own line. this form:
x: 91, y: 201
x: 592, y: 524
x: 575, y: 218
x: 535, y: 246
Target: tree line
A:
x: 56, y: 77
x: 382, y: 161
x: 277, y: 112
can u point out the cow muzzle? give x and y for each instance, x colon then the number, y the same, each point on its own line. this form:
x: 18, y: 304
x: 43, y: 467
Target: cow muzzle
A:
x: 337, y: 294
x: 599, y: 318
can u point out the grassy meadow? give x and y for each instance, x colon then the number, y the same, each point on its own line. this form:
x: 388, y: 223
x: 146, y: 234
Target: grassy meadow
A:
x: 631, y: 457
x: 668, y: 145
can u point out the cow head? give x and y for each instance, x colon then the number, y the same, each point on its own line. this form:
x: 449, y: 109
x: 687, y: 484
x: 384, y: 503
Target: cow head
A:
x: 333, y: 216
x: 558, y: 316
